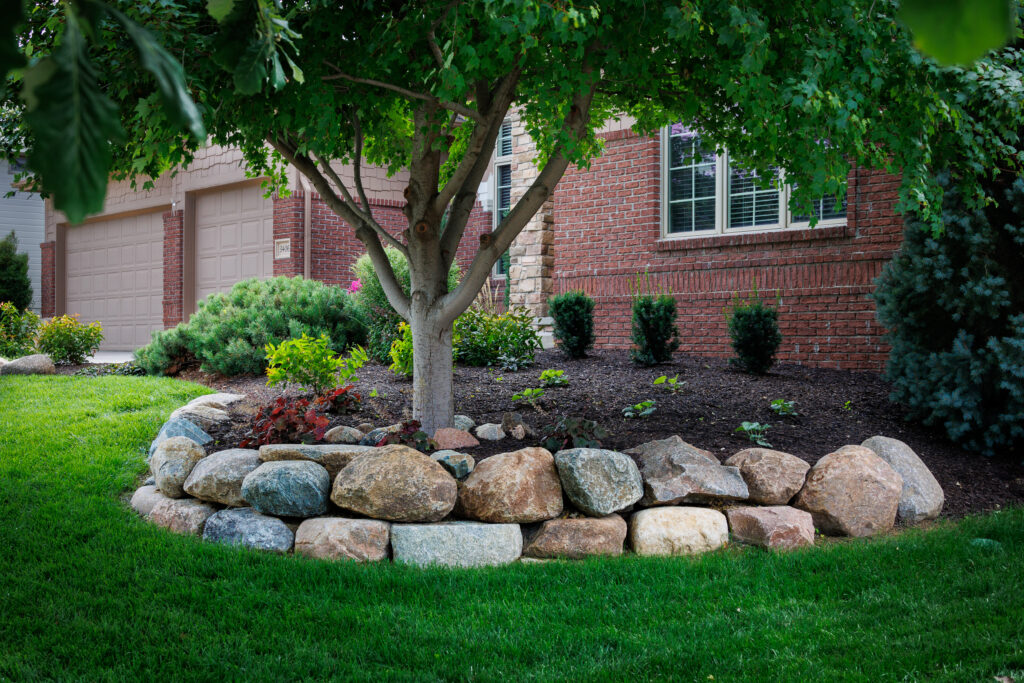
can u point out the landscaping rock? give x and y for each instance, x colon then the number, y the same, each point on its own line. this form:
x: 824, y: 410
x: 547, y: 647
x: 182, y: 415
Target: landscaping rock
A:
x: 173, y: 462
x: 3, y: 362
x: 396, y: 483
x: 676, y: 472
x: 518, y: 487
x: 851, y: 492
x: 921, y: 497
x: 203, y: 414
x: 179, y: 427
x: 184, y: 516
x: 290, y: 488
x: 374, y: 436
x: 513, y: 425
x: 459, y: 465
x: 463, y: 422
x: 221, y: 401
x: 343, y: 435
x: 575, y: 538
x: 456, y: 544
x: 778, y: 527
x: 677, y: 531
x: 333, y: 457
x: 597, y: 481
x: 150, y: 481
x: 146, y: 498
x: 36, y: 364
x: 218, y: 477
x: 364, y: 427
x: 772, y: 477
x: 449, y: 438
x: 338, y: 538
x: 246, y: 527
x: 490, y: 432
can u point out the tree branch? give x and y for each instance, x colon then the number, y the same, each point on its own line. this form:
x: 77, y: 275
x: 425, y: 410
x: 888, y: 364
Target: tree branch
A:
x: 357, y: 167
x: 432, y: 39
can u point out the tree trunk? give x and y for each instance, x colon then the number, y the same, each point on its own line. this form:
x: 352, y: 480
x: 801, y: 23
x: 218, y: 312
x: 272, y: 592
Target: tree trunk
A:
x: 433, y: 398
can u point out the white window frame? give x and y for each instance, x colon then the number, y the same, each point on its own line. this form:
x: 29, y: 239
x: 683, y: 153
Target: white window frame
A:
x: 500, y: 161
x: 785, y: 221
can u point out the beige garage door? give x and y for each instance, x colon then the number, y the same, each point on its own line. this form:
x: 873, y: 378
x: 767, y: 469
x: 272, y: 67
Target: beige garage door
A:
x: 115, y: 274
x: 234, y: 238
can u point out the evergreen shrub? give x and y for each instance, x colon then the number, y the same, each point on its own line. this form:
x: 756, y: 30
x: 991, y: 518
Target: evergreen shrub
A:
x: 953, y: 305
x: 483, y: 338
x: 15, y: 285
x: 67, y: 341
x: 573, y: 313
x: 655, y: 336
x: 229, y: 331
x: 754, y: 331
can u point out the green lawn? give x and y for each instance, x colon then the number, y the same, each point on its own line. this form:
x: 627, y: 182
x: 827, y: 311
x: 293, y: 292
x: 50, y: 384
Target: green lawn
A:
x: 88, y: 591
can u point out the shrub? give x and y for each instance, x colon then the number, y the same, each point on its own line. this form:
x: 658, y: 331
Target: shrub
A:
x: 18, y: 331
x: 482, y: 338
x: 67, y: 341
x: 573, y: 313
x: 229, y: 331
x: 340, y: 401
x: 15, y: 285
x: 310, y: 363
x: 286, y: 420
x: 572, y: 432
x: 167, y: 354
x: 381, y: 319
x: 654, y: 336
x: 954, y: 307
x: 401, y: 351
x: 754, y: 331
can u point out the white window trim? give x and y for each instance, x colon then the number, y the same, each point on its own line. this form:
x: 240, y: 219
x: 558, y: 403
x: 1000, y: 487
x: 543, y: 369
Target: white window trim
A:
x: 500, y: 161
x: 785, y: 221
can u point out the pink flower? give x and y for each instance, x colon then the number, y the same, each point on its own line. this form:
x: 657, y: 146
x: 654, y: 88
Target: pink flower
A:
x: 355, y: 286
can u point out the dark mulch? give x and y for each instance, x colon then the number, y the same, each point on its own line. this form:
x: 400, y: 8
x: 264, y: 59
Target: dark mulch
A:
x: 836, y: 408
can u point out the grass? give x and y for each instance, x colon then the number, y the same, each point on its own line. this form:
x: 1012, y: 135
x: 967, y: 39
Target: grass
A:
x: 89, y: 591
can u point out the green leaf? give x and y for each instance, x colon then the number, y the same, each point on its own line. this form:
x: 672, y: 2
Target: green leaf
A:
x: 958, y: 31
x: 169, y: 75
x: 252, y: 68
x: 73, y: 123
x: 219, y: 9
x: 11, y: 16
x: 277, y: 78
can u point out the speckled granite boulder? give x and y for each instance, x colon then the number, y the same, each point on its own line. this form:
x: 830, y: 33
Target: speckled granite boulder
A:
x: 182, y: 516
x: 395, y: 483
x: 463, y: 422
x: 677, y: 531
x: 599, y: 482
x: 172, y: 462
x: 451, y: 439
x: 36, y: 364
x: 343, y: 435
x: 777, y: 527
x: 575, y: 538
x: 518, y: 487
x: 490, y: 432
x: 677, y: 472
x: 248, y: 528
x: 145, y: 499
x: 290, y: 488
x: 921, y: 497
x: 179, y: 427
x: 333, y: 457
x: 457, y: 544
x: 772, y: 477
x: 218, y: 477
x: 339, y: 538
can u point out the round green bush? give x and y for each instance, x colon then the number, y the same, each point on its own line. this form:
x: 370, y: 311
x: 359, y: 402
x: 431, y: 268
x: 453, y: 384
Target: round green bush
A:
x: 229, y: 331
x: 573, y: 313
x: 754, y: 331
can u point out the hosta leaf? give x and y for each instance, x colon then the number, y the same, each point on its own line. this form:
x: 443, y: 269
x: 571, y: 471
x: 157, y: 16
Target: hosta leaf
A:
x: 958, y: 31
x: 73, y: 123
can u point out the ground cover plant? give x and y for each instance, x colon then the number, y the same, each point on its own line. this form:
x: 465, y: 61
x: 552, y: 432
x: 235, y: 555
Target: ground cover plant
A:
x: 81, y: 572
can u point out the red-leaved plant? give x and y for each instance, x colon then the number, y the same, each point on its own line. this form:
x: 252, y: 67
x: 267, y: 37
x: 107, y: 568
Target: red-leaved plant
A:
x: 410, y: 435
x: 340, y: 401
x: 286, y: 420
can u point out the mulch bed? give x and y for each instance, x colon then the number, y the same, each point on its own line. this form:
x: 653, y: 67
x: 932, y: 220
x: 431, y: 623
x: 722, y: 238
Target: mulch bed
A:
x: 836, y: 408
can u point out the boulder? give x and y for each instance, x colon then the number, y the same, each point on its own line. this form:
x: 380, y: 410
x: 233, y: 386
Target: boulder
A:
x: 343, y: 435
x: 206, y: 415
x: 677, y: 472
x: 514, y: 425
x: 230, y: 403
x: 373, y: 437
x: 182, y: 516
x: 575, y: 538
x: 338, y: 538
x: 922, y: 497
x: 218, y: 477
x: 36, y: 364
x: 173, y: 462
x: 677, y: 531
x: 179, y: 427
x: 772, y: 477
x: 597, y: 481
x: 851, y: 492
x: 364, y: 427
x: 449, y: 438
x: 396, y: 483
x: 518, y: 487
x: 778, y: 527
x: 146, y: 498
x: 248, y: 528
x: 333, y: 457
x: 463, y: 422
x: 3, y: 362
x: 456, y: 544
x: 289, y: 488
x: 490, y: 432
x: 459, y: 465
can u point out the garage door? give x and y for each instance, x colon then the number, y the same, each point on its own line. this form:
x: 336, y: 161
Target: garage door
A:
x: 115, y: 273
x: 234, y: 238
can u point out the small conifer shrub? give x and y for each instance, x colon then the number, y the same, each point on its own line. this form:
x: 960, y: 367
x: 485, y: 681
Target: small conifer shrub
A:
x: 573, y: 313
x: 654, y: 336
x: 15, y: 285
x: 754, y: 331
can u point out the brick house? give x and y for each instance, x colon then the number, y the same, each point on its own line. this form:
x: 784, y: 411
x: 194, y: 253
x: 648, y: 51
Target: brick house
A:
x: 699, y: 228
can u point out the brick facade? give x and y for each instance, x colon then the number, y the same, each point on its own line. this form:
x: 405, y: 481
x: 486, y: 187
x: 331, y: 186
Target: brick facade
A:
x: 48, y: 295
x: 607, y: 230
x: 288, y: 224
x: 174, y: 235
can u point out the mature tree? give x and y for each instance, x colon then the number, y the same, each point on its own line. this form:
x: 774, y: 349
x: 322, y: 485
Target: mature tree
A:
x: 812, y: 88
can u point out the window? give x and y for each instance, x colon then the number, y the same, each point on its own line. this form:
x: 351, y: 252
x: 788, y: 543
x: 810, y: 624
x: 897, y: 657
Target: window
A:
x: 502, y: 184
x: 706, y: 194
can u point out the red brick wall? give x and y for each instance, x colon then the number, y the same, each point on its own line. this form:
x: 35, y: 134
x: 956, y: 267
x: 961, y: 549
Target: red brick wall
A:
x: 288, y: 224
x: 174, y: 276
x: 607, y: 229
x: 48, y: 298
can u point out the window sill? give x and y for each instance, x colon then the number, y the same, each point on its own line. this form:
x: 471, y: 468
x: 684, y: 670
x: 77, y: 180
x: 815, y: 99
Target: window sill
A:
x: 751, y: 238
